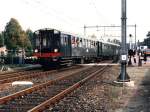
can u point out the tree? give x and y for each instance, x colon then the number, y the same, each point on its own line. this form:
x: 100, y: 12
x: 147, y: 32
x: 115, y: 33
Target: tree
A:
x: 15, y: 37
x: 30, y: 37
x: 1, y: 39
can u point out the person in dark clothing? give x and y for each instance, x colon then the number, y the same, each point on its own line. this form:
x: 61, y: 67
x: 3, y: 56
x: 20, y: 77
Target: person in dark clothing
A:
x: 145, y: 57
x: 134, y: 59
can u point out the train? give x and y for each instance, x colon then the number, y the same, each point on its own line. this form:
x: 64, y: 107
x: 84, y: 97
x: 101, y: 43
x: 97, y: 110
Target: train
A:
x: 57, y: 48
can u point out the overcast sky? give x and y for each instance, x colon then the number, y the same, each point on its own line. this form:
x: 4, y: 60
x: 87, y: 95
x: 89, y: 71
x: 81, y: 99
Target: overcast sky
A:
x: 72, y: 15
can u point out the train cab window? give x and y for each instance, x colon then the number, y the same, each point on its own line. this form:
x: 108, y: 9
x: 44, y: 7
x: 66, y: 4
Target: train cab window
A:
x: 37, y: 42
x: 49, y: 42
x: 44, y: 42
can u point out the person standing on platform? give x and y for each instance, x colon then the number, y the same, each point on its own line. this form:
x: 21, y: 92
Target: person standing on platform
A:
x: 145, y: 57
x: 134, y: 56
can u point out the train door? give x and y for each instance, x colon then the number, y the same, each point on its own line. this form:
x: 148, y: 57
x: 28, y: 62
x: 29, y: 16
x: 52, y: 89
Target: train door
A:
x: 66, y: 45
x: 69, y: 51
x: 55, y: 42
x: 66, y: 50
x: 99, y: 49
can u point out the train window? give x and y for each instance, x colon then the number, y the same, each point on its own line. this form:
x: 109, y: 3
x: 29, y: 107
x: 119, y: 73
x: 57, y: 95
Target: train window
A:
x: 104, y: 46
x: 91, y: 45
x: 65, y: 40
x: 62, y: 41
x: 77, y: 42
x: 90, y: 42
x: 73, y: 40
x: 94, y: 43
x: 84, y: 43
x: 57, y: 42
x: 49, y: 41
x: 44, y: 41
x: 87, y: 43
x: 37, y: 41
x: 107, y: 46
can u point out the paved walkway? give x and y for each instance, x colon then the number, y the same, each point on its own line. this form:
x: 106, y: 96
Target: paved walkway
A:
x: 137, y: 98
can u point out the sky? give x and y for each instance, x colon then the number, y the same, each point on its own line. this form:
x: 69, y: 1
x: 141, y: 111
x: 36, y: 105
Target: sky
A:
x: 72, y: 15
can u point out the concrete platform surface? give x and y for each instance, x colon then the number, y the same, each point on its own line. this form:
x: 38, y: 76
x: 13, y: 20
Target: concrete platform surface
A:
x: 137, y: 97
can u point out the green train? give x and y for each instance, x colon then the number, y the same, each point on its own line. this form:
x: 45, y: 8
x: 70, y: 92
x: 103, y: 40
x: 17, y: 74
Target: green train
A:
x: 57, y: 48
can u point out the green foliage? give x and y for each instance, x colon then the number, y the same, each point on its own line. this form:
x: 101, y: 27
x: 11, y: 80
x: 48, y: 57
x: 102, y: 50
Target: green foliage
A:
x: 30, y: 37
x: 1, y: 39
x: 15, y: 37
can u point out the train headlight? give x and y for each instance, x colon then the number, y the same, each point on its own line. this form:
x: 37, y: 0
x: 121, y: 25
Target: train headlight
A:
x: 55, y: 50
x: 35, y: 50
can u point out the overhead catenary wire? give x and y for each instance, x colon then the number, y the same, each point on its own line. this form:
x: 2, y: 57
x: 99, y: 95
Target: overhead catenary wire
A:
x: 48, y: 11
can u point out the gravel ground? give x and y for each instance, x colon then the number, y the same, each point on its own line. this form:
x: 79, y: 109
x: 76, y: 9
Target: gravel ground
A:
x: 102, y: 95
x: 95, y: 96
x: 7, y: 88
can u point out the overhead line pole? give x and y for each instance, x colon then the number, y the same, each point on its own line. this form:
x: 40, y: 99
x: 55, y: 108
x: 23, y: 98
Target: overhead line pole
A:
x: 135, y: 38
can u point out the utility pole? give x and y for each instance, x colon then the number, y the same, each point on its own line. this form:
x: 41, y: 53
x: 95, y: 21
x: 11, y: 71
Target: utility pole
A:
x: 123, y: 77
x: 135, y: 39
x: 84, y: 30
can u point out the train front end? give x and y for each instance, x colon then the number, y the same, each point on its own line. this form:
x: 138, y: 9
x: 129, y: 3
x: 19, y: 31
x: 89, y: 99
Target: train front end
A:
x: 47, y: 47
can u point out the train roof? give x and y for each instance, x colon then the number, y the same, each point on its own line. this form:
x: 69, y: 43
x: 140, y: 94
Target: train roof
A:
x: 76, y: 35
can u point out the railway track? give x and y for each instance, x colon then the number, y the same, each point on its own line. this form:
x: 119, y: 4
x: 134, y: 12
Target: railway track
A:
x: 37, y: 78
x: 37, y: 98
x: 22, y: 75
x: 17, y: 74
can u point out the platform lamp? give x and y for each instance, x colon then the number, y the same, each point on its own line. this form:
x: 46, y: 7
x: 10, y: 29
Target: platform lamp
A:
x: 130, y: 52
x: 123, y: 77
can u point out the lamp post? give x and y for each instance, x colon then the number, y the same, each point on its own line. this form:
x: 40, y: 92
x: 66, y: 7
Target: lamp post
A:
x: 130, y: 35
x: 123, y: 77
x: 130, y: 52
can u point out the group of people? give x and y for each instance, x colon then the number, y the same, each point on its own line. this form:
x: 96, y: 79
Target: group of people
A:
x: 132, y: 53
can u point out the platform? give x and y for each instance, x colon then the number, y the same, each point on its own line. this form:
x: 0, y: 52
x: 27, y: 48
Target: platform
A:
x: 137, y: 98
